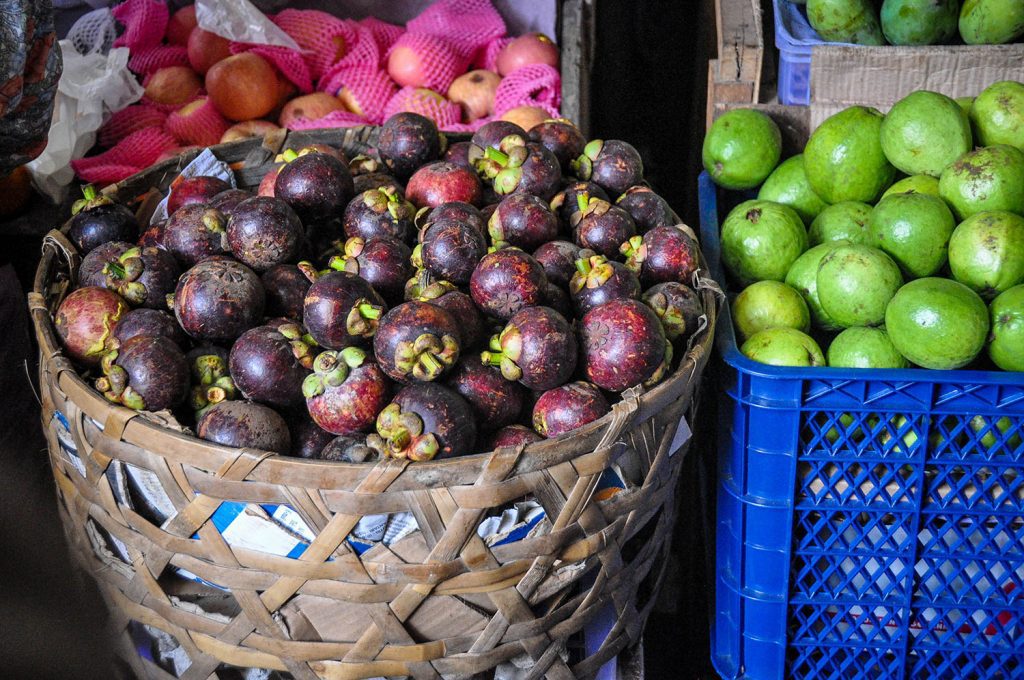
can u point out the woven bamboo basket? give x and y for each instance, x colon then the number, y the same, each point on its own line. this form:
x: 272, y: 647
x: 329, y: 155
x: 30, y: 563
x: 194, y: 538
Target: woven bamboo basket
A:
x: 444, y: 603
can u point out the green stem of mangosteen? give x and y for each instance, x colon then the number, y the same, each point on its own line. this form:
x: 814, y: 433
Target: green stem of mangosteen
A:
x: 339, y: 263
x: 325, y: 362
x: 495, y: 155
x: 369, y: 311
x: 102, y: 385
x: 510, y: 370
x: 583, y: 266
x: 89, y: 192
x: 133, y: 399
x: 352, y: 356
x: 289, y: 155
x: 495, y: 342
x: 427, y: 367
x: 399, y: 439
x: 212, y: 221
x: 134, y: 292
x: 114, y: 269
x: 582, y: 200
x: 425, y: 448
x: 354, y: 246
x: 215, y: 395
x: 312, y: 386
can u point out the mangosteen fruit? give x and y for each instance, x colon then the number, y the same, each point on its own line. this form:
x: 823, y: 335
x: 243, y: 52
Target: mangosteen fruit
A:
x: 308, y: 438
x: 566, y: 408
x: 512, y: 435
x: 218, y: 299
x: 678, y: 307
x: 268, y: 364
x: 347, y: 448
x: 425, y: 421
x: 623, y: 344
x: 566, y: 202
x: 417, y: 342
x: 196, y: 232
x: 192, y: 190
x: 345, y: 391
x: 614, y: 164
x: 90, y: 272
x: 147, y: 372
x: 85, y: 322
x: 153, y: 322
x: 142, y: 276
x: 98, y: 219
x: 227, y: 200
x: 264, y: 232
x: 341, y: 310
x: 407, y: 141
x: 460, y: 306
x: 599, y: 280
x: 450, y: 250
x: 559, y: 261
x: 663, y: 254
x: 489, y: 136
x: 523, y: 221
x: 560, y: 137
x: 601, y: 226
x: 506, y: 281
x: 648, y: 209
x: 379, y: 212
x: 376, y: 180
x: 211, y: 383
x: 422, y: 284
x: 536, y: 347
x: 443, y: 182
x: 524, y: 167
x: 285, y: 286
x: 245, y: 424
x: 453, y: 210
x: 495, y: 401
x: 557, y: 299
x: 382, y: 261
x: 316, y: 185
x: 458, y: 154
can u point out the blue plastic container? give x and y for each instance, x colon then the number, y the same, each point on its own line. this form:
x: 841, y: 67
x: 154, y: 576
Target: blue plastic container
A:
x: 865, y: 528
x: 794, y: 37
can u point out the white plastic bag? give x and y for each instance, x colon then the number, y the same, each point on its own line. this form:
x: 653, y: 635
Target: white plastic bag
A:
x: 240, y: 21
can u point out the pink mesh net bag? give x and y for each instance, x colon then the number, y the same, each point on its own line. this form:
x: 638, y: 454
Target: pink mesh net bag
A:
x: 145, y: 22
x: 128, y: 120
x: 415, y: 100
x: 334, y: 119
x: 148, y: 59
x: 534, y: 85
x: 289, y: 62
x: 197, y: 123
x: 369, y: 89
x: 487, y: 57
x: 384, y: 34
x: 321, y: 34
x: 424, y: 60
x: 138, y: 150
x: 467, y: 25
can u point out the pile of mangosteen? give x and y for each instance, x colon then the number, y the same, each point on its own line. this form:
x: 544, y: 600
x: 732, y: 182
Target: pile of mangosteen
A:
x: 423, y: 301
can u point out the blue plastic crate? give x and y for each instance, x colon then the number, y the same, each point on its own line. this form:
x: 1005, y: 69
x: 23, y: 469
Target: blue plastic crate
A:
x: 794, y: 37
x: 864, y: 528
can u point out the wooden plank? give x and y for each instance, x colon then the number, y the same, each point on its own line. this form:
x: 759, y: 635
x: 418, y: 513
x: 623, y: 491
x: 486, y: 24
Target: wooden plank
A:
x: 577, y: 24
x: 740, y: 42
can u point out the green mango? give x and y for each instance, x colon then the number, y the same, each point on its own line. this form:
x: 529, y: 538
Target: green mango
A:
x: 919, y: 22
x: 991, y: 22
x: 848, y: 21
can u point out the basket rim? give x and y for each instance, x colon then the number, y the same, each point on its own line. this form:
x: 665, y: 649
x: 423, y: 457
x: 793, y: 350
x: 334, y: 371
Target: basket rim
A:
x: 544, y: 453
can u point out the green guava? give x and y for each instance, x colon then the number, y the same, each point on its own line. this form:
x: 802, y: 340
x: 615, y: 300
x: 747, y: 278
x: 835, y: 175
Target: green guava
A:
x: 848, y: 21
x: 855, y: 283
x: 769, y: 304
x: 915, y: 184
x: 844, y: 160
x: 998, y: 114
x: 991, y: 22
x: 924, y: 132
x: 741, y: 149
x: 1006, y: 345
x: 845, y: 221
x: 788, y: 185
x: 760, y: 240
x: 861, y: 347
x: 914, y: 230
x: 803, y: 276
x: 989, y: 178
x: 986, y: 252
x: 783, y: 347
x: 919, y: 22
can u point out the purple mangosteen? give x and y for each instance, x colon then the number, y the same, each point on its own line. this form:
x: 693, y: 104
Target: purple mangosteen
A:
x: 600, y: 226
x: 286, y: 288
x: 523, y: 221
x: 536, y: 347
x: 506, y: 281
x: 85, y: 321
x: 379, y: 212
x: 450, y: 250
x: 145, y: 373
x: 648, y: 209
x: 614, y: 164
x: 559, y: 261
x: 408, y: 141
x: 346, y: 391
x: 442, y: 182
x: 417, y: 342
x: 566, y: 202
x: 425, y: 421
x: 193, y: 190
x: 661, y: 255
x: 264, y: 232
x: 227, y: 200
x: 512, y: 436
x: 495, y: 401
x: 154, y: 322
x: 678, y: 307
x: 562, y: 138
x: 382, y: 261
x: 599, y: 280
x: 341, y: 310
x: 458, y: 154
x: 316, y: 185
x: 218, y: 299
x: 142, y: 276
x: 268, y: 364
x: 453, y: 210
x: 98, y: 219
x: 566, y: 408
x: 196, y: 232
x: 623, y: 344
x: 245, y: 424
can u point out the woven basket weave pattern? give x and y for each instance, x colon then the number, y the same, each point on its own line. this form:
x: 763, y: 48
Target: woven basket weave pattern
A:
x: 529, y: 591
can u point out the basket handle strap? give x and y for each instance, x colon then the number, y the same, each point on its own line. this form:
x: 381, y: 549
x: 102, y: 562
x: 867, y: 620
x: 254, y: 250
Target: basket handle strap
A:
x: 61, y: 246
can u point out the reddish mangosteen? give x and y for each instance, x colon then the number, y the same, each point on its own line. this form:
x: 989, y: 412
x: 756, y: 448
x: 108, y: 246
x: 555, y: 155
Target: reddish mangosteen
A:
x: 268, y: 364
x: 245, y: 424
x: 560, y: 137
x: 536, y: 347
x: 601, y: 226
x: 559, y: 260
x: 648, y: 209
x: 442, y: 182
x: 513, y: 435
x: 153, y: 235
x: 195, y: 232
x: 460, y: 306
x: 85, y: 322
x: 211, y: 383
x: 489, y: 136
x: 417, y: 342
x: 153, y: 322
x: 267, y: 184
x: 286, y: 288
x: 264, y: 232
x: 458, y: 153
x: 226, y: 200
x: 614, y: 164
x: 308, y: 438
x: 566, y: 202
x: 192, y: 190
x: 97, y: 220
x: 376, y: 180
x: 146, y: 373
x: 678, y: 307
x: 341, y: 310
x: 559, y: 300
x: 379, y: 212
x: 623, y: 345
x: 522, y: 220
x: 453, y: 210
x: 423, y: 422
x: 349, y: 448
x: 566, y: 408
x: 345, y: 392
x: 90, y: 272
x: 142, y: 276
x: 599, y: 280
x: 496, y: 402
x: 408, y: 141
x: 523, y: 167
x: 450, y: 250
x: 663, y: 254
x: 382, y: 261
x: 316, y: 185
x: 506, y: 281
x: 218, y: 299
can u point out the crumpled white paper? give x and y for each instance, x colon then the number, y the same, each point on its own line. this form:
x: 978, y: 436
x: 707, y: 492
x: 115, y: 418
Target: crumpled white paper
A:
x: 93, y: 86
x: 203, y: 165
x: 239, y: 20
